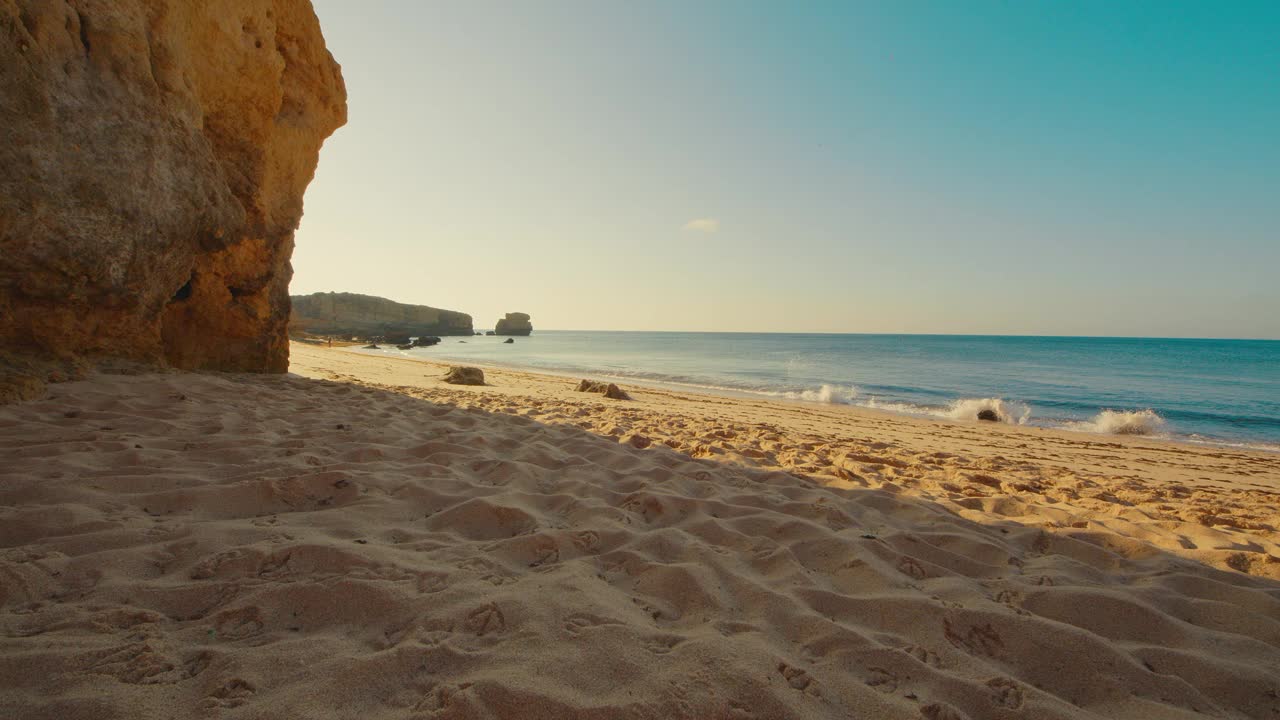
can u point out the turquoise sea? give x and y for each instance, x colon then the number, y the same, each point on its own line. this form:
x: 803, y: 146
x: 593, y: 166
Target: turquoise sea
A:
x: 1216, y: 391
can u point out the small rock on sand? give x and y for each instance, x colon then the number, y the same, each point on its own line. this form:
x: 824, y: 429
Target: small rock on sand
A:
x: 989, y: 415
x: 636, y: 440
x: 609, y: 390
x: 459, y: 375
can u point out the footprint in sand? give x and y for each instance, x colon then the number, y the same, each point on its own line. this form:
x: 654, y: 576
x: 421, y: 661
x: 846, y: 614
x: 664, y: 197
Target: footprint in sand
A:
x: 941, y: 711
x: 586, y: 541
x: 136, y: 663
x: 881, y: 679
x: 924, y: 655
x: 195, y: 664
x: 210, y: 567
x: 546, y: 552
x: 1005, y: 693
x: 578, y: 622
x: 429, y: 582
x: 662, y: 644
x: 797, y: 678
x: 238, y: 624
x: 488, y: 571
x: 486, y: 619
x: 911, y: 567
x: 441, y: 698
x: 232, y: 693
x: 976, y: 639
x: 1011, y: 599
x: 396, y: 634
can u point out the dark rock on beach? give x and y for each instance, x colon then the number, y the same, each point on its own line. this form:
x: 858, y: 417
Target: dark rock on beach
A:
x: 989, y: 415
x: 609, y: 390
x: 459, y: 375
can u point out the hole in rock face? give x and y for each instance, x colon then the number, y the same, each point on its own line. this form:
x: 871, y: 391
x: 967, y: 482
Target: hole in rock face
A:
x: 184, y: 292
x: 84, y: 31
x: 28, y: 22
x: 239, y: 291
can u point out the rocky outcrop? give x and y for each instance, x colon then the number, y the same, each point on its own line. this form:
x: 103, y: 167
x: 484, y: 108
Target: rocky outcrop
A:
x: 154, y: 159
x: 609, y: 390
x: 514, y: 324
x: 354, y: 315
x: 459, y: 375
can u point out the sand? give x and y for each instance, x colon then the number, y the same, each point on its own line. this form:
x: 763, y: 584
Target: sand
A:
x: 362, y: 540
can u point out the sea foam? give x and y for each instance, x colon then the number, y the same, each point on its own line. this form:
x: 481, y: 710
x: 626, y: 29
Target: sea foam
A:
x: 1013, y: 413
x: 833, y: 394
x: 1123, y: 422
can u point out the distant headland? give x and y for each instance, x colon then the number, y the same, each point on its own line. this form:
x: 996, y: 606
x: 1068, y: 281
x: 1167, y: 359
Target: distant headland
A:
x: 367, y: 317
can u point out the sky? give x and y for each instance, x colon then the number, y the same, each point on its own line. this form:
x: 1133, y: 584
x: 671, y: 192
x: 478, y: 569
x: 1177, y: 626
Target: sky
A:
x: 1045, y: 168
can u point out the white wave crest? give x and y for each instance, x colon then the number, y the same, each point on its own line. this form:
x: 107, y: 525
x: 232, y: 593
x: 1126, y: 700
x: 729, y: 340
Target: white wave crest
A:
x: 1013, y: 413
x: 1123, y: 422
x: 831, y: 394
x: 897, y: 407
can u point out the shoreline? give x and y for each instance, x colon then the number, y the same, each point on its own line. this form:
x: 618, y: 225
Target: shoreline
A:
x: 1069, y: 476
x: 925, y: 414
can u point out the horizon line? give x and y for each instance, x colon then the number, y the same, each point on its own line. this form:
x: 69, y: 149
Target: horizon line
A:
x: 920, y: 334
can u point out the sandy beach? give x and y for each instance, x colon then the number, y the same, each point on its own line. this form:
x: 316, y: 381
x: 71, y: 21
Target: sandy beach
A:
x: 360, y: 539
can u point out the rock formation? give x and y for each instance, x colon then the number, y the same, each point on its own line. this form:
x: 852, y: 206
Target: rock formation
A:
x: 350, y: 314
x: 154, y: 159
x: 514, y: 324
x: 459, y: 375
x: 609, y: 390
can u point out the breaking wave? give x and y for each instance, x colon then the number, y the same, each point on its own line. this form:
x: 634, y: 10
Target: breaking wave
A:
x: 833, y: 394
x: 1123, y: 422
x: 1012, y: 413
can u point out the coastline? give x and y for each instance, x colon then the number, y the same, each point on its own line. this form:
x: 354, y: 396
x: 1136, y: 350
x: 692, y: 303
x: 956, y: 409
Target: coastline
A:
x: 1061, y: 477
x: 890, y: 409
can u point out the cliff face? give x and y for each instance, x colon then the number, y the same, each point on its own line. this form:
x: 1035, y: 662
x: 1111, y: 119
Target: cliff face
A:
x: 350, y: 314
x: 154, y: 159
x: 516, y: 323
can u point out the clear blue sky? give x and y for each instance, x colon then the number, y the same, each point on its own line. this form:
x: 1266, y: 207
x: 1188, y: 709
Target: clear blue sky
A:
x: 1087, y: 168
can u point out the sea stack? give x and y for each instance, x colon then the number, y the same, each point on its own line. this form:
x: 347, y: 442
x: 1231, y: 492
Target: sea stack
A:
x: 151, y: 178
x: 515, y: 323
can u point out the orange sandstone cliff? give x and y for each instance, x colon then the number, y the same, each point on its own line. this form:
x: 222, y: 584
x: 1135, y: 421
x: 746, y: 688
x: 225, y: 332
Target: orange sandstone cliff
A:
x: 152, y: 166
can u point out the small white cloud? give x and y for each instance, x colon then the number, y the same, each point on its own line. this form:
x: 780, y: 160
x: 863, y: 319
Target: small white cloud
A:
x: 706, y: 225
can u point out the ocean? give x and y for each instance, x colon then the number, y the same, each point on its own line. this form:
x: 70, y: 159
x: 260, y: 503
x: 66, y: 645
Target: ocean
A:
x: 1207, y: 391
